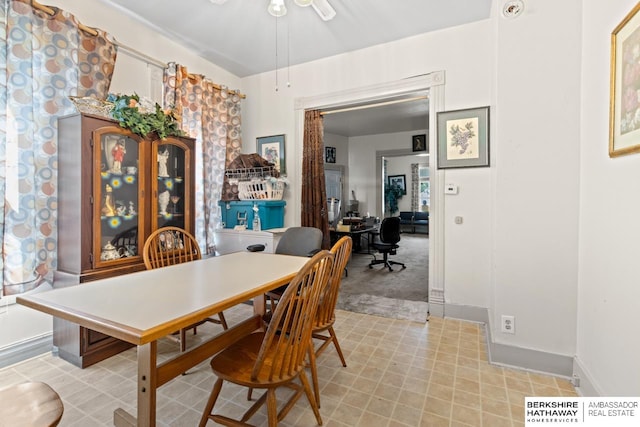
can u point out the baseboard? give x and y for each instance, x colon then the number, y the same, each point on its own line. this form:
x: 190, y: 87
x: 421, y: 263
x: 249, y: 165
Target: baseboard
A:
x: 583, y: 380
x: 436, y: 309
x: 26, y: 350
x: 509, y: 355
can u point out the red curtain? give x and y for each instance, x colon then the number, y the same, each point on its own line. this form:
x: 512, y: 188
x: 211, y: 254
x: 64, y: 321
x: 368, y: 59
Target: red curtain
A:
x: 314, y: 195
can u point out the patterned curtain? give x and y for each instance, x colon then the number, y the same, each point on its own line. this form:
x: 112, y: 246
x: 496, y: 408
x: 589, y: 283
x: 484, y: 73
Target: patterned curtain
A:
x: 314, y: 195
x: 415, y: 187
x: 211, y: 115
x: 43, y: 59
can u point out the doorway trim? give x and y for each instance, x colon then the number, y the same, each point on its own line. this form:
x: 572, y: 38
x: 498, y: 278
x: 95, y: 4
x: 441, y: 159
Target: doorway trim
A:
x: 431, y: 84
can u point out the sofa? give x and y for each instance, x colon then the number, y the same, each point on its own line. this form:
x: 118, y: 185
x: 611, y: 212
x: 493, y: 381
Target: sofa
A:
x: 415, y: 221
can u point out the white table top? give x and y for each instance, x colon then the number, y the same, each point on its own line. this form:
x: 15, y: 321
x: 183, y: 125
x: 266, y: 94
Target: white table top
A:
x: 144, y: 306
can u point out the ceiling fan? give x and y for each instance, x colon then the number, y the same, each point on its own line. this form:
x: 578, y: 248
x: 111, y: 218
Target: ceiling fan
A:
x: 278, y: 9
x: 322, y: 8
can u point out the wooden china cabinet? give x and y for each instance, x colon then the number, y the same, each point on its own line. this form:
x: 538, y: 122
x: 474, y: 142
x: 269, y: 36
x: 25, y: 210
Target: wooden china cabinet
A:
x: 114, y: 189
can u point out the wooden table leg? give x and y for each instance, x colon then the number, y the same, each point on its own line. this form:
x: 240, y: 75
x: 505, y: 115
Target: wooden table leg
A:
x: 147, y: 384
x: 147, y: 387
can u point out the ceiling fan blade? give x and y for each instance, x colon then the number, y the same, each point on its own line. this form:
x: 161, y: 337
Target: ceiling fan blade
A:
x: 324, y: 9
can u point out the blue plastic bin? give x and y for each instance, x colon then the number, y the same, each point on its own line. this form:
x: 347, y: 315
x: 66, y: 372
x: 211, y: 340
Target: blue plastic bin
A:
x: 271, y: 213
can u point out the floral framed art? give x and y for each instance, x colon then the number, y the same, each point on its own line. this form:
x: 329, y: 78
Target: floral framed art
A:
x: 624, y: 104
x: 463, y: 138
x: 271, y: 148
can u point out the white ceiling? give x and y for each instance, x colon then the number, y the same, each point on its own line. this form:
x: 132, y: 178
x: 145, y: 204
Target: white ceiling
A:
x: 240, y: 36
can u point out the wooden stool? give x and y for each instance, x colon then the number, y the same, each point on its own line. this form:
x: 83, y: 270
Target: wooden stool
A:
x: 30, y: 404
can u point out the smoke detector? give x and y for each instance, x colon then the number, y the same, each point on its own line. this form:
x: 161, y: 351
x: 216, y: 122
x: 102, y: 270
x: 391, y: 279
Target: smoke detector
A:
x: 512, y: 9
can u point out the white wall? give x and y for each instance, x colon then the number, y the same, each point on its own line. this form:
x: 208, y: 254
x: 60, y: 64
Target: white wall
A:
x: 609, y: 290
x: 518, y: 242
x: 467, y: 55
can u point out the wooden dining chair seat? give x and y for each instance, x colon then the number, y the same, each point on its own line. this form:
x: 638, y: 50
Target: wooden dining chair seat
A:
x: 169, y: 246
x: 30, y: 404
x: 276, y: 357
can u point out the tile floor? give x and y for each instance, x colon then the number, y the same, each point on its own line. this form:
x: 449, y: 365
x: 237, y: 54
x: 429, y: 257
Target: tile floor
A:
x: 399, y: 373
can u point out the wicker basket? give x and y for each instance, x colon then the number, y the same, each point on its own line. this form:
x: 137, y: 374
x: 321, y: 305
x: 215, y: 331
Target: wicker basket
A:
x: 94, y: 106
x: 261, y: 189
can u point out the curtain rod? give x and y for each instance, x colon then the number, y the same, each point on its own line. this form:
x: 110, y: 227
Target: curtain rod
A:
x: 378, y: 104
x: 92, y: 31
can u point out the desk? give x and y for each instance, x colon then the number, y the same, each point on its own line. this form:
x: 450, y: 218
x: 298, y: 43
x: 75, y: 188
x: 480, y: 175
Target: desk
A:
x: 356, y: 236
x: 142, y: 307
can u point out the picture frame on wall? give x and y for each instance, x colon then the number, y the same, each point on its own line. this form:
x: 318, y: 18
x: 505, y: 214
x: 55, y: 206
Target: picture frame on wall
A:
x: 330, y: 154
x: 399, y: 181
x: 463, y: 138
x: 271, y: 148
x: 624, y: 107
x: 419, y: 142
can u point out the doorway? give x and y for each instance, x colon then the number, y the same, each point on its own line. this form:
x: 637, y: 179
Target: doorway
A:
x: 431, y: 84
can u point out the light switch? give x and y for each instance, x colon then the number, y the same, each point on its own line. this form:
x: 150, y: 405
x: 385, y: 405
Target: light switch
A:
x: 450, y: 189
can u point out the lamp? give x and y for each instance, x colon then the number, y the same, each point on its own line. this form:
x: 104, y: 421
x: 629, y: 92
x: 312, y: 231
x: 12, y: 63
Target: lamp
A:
x: 277, y: 8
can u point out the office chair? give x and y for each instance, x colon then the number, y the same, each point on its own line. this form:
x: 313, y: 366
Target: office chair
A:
x: 389, y: 238
x: 298, y: 241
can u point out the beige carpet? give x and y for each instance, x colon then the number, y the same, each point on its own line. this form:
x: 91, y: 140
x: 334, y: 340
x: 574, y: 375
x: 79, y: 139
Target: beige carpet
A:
x: 401, y: 293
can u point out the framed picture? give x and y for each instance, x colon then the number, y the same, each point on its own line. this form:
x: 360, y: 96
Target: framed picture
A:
x: 329, y: 154
x: 271, y: 148
x: 399, y: 181
x: 419, y: 142
x: 624, y: 105
x: 463, y: 138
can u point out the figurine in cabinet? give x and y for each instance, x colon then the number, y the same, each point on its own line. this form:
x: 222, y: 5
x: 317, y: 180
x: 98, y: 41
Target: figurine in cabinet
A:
x: 163, y: 201
x: 118, y: 152
x: 109, y: 207
x: 163, y: 158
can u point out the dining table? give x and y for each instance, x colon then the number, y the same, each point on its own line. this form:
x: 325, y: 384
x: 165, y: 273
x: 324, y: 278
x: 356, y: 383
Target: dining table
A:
x: 143, y: 307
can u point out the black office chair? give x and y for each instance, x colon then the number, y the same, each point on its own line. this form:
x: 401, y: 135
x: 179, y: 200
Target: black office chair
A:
x: 388, y: 243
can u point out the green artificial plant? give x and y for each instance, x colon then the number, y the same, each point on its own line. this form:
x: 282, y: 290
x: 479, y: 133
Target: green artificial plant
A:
x: 126, y: 112
x: 391, y: 195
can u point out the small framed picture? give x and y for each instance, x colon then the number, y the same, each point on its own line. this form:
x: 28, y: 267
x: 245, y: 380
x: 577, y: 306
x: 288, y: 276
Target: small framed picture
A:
x: 419, y: 142
x: 330, y: 154
x: 399, y: 181
x: 271, y: 148
x: 463, y: 138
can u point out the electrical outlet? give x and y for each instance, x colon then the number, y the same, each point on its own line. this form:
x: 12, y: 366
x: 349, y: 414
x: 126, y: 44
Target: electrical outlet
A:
x: 508, y: 325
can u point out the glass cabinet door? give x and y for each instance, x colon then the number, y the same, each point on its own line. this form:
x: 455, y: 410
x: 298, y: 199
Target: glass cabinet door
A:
x: 118, y: 197
x: 171, y: 174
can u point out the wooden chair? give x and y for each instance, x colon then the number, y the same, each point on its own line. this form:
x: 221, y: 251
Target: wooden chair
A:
x: 30, y: 404
x: 325, y: 316
x: 275, y: 357
x: 173, y: 245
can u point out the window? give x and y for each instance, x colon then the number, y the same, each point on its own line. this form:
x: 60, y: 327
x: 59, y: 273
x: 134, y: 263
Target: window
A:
x: 425, y: 187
